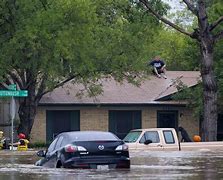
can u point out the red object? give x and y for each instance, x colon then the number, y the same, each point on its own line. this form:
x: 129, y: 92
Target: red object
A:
x: 70, y: 148
x: 21, y: 136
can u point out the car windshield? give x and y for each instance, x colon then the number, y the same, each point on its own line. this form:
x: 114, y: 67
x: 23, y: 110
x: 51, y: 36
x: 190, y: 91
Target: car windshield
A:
x: 132, y: 136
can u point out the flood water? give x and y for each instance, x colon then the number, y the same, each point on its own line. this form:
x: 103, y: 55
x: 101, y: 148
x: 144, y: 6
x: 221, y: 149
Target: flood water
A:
x: 197, y: 165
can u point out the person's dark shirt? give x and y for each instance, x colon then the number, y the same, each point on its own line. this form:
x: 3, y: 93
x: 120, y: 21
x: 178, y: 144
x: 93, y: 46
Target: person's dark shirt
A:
x: 158, y: 64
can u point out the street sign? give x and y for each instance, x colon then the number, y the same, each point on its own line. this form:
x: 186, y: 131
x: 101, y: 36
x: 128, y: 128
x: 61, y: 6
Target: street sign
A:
x: 12, y: 87
x: 12, y: 114
x: 22, y: 93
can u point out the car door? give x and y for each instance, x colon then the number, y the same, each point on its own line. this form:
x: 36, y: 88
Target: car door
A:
x: 154, y: 137
x: 170, y: 143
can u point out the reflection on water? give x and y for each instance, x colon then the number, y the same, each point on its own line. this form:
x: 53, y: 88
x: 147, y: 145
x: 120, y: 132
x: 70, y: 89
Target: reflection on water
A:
x: 145, y: 165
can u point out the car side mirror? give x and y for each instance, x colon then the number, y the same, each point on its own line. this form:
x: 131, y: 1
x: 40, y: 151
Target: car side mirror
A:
x: 41, y: 153
x: 148, y: 141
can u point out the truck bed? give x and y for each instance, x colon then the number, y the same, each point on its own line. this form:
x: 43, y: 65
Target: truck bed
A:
x: 191, y: 146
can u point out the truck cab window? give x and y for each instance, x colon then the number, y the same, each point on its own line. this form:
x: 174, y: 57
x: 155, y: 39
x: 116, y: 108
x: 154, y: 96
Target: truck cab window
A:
x: 150, y: 135
x: 168, y: 136
x: 143, y: 139
x: 132, y: 136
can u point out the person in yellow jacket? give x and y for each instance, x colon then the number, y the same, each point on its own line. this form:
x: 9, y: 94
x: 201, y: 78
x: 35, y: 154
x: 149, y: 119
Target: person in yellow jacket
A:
x: 2, y: 140
x: 22, y: 143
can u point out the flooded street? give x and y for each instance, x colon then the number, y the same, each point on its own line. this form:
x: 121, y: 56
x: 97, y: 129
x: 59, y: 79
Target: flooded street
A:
x: 149, y: 165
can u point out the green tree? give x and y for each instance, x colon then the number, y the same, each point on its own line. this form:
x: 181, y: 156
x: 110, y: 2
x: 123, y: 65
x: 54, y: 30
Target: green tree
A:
x: 215, y: 11
x: 179, y: 52
x: 45, y: 44
x: 207, y: 36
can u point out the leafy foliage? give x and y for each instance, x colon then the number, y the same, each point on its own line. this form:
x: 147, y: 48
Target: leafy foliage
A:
x: 71, y: 37
x: 47, y: 43
x: 179, y: 52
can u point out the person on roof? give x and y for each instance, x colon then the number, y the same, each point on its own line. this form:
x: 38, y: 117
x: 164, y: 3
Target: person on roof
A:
x: 159, y: 67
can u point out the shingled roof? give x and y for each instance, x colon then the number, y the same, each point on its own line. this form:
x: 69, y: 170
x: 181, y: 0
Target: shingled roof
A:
x: 151, y: 91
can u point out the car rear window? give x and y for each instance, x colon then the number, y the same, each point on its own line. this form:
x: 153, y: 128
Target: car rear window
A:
x: 93, y: 136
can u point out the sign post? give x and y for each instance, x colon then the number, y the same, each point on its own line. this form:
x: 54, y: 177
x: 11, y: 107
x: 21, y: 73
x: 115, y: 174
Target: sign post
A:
x: 12, y: 114
x: 12, y: 92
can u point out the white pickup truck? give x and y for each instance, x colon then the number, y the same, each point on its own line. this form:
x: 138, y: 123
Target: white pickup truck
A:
x: 164, y: 139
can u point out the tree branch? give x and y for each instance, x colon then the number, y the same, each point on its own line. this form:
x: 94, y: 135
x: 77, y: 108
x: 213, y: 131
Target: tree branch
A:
x: 22, y: 76
x: 218, y: 36
x: 191, y: 7
x: 59, y: 84
x: 3, y: 85
x: 6, y: 82
x: 13, y: 75
x: 216, y: 23
x: 42, y: 86
x: 164, y: 20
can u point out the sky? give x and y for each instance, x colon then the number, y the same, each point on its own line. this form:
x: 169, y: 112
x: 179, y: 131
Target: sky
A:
x: 177, y: 5
x: 174, y: 4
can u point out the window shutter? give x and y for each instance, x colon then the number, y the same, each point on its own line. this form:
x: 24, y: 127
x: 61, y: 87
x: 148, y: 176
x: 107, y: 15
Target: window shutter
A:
x: 75, y: 120
x: 112, y: 122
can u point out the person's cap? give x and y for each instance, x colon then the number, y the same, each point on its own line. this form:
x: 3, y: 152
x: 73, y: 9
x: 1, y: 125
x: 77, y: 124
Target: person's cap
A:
x: 21, y: 136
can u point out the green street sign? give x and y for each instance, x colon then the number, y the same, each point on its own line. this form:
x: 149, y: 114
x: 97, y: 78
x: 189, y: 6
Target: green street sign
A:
x: 23, y: 93
x: 12, y: 87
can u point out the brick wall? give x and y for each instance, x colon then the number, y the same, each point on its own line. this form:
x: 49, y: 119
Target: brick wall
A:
x: 186, y: 119
x: 38, y: 133
x: 94, y: 119
x: 189, y: 122
x: 97, y: 119
x: 149, y: 118
x: 90, y: 119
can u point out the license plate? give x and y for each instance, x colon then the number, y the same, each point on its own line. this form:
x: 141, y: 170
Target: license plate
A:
x: 102, y: 167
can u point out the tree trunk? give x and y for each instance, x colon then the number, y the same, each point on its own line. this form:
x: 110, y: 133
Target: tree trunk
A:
x: 206, y: 40
x: 209, y: 123
x: 27, y: 112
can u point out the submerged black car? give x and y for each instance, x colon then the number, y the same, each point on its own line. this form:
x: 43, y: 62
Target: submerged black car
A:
x: 85, y: 149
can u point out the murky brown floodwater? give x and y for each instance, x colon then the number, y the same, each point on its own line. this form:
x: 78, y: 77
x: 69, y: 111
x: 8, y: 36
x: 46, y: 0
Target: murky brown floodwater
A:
x: 199, y: 165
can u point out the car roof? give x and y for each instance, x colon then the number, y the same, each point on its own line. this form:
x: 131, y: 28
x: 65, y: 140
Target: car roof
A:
x: 89, y: 135
x: 153, y: 129
x: 70, y: 133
